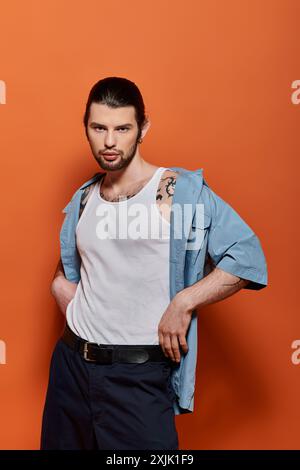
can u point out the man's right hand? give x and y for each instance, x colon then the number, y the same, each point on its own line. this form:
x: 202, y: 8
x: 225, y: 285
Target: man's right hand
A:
x: 63, y: 292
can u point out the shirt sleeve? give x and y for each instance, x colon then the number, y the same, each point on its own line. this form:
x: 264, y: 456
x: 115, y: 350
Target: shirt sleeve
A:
x: 234, y: 247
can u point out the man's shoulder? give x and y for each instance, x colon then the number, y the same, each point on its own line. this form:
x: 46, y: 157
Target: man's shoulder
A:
x: 195, y: 188
x: 185, y: 171
x: 92, y: 180
x: 191, y: 180
x: 83, y: 190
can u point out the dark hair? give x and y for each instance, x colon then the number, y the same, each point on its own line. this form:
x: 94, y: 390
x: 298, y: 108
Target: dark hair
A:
x: 116, y: 92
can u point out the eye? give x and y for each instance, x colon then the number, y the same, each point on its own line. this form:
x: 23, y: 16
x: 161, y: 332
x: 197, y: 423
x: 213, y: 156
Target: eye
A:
x: 119, y: 129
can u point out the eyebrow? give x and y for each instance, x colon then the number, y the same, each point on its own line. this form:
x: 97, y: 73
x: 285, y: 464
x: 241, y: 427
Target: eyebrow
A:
x: 93, y: 124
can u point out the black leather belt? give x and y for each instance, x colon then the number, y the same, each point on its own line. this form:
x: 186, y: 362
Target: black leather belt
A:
x: 108, y: 353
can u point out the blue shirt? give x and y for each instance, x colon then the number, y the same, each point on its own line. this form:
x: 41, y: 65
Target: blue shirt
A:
x: 227, y: 241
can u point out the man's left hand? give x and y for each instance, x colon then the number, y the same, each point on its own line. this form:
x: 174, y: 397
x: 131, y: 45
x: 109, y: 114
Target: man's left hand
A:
x: 173, y: 326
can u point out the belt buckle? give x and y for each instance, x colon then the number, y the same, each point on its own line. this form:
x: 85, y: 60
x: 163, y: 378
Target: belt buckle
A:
x: 86, y: 351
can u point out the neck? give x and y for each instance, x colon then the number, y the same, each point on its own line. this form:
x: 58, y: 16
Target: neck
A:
x: 135, y: 173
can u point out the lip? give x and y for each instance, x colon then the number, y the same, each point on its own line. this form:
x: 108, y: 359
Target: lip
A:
x: 110, y: 156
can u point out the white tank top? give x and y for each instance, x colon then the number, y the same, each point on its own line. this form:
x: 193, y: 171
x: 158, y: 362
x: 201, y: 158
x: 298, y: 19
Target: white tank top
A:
x: 124, y: 286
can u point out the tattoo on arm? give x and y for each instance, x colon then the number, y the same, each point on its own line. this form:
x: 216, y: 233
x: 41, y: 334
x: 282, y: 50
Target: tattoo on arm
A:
x: 170, y: 186
x: 168, y: 183
x: 84, y: 198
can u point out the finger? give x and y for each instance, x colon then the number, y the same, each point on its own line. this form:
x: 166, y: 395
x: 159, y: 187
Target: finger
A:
x: 183, y: 343
x: 175, y: 348
x: 161, y: 342
x: 168, y: 348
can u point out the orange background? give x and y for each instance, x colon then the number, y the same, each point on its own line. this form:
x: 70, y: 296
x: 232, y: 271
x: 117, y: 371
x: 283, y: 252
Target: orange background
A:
x: 216, y: 79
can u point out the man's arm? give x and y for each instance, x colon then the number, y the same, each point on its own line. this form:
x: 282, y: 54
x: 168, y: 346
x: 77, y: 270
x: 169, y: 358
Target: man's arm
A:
x: 238, y: 262
x: 216, y: 286
x: 59, y: 270
x: 62, y: 290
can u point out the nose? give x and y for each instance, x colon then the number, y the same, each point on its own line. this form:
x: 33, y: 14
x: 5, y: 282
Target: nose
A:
x: 110, y: 139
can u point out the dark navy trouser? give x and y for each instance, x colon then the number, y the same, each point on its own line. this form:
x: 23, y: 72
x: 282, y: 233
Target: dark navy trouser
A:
x: 107, y: 406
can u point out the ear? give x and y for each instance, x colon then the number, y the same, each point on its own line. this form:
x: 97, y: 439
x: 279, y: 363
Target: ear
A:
x: 146, y: 127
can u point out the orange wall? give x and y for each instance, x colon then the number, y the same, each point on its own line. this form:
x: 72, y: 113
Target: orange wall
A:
x: 217, y: 83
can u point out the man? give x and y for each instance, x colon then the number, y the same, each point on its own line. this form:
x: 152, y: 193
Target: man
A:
x: 141, y: 248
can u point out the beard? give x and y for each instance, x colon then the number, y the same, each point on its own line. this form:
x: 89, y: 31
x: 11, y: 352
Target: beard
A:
x: 122, y: 161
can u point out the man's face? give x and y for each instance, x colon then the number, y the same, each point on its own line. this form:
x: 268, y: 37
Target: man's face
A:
x: 112, y: 130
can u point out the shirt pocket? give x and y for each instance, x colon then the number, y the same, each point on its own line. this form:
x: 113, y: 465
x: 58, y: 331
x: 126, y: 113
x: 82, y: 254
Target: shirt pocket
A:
x: 199, y: 234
